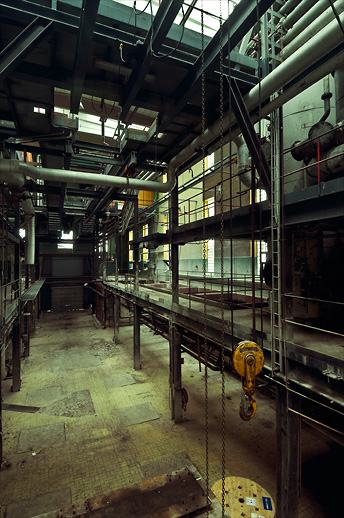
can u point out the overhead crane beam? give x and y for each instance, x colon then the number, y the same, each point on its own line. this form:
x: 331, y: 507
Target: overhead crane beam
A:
x: 162, y: 23
x: 231, y: 33
x: 82, y: 54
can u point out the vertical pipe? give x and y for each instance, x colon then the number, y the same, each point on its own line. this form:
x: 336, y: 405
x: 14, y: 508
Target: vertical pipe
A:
x: 137, y: 352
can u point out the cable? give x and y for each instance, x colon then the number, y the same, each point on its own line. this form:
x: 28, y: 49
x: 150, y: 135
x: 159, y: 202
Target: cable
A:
x: 151, y: 39
x: 137, y: 13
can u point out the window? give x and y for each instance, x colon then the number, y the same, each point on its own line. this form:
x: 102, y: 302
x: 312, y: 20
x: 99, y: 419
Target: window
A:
x: 211, y: 242
x: 66, y: 236
x: 145, y: 230
x: 131, y: 256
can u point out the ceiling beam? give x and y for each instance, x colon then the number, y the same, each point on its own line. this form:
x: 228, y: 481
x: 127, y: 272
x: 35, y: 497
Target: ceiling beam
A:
x: 21, y: 46
x: 162, y: 23
x: 83, y: 49
x: 242, y: 19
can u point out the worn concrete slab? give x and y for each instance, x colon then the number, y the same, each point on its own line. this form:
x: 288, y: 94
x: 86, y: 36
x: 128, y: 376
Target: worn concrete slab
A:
x: 137, y: 414
x: 77, y: 404
x: 35, y: 439
x: 119, y: 381
x: 74, y: 358
x: 40, y: 504
x: 165, y: 464
x: 43, y: 396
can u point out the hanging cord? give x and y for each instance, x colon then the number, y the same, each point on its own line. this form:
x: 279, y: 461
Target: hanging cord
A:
x: 204, y: 250
x: 151, y: 39
x: 137, y: 13
x: 223, y: 393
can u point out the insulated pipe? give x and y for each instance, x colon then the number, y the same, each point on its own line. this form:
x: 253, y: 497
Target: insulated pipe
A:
x: 298, y: 12
x: 30, y: 241
x: 339, y: 92
x: 289, y: 6
x: 244, y: 162
x: 8, y: 167
x: 310, y: 16
x: 334, y: 163
x: 312, y: 30
x: 320, y: 45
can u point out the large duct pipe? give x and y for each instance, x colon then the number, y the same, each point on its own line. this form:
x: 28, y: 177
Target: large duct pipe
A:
x: 310, y: 16
x: 333, y: 163
x: 312, y: 30
x: 298, y: 12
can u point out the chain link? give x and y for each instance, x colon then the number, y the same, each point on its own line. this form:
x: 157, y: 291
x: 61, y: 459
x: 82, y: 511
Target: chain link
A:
x: 204, y: 250
x: 223, y: 393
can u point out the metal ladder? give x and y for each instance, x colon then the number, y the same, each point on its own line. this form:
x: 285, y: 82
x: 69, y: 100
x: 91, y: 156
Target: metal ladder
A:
x: 276, y: 248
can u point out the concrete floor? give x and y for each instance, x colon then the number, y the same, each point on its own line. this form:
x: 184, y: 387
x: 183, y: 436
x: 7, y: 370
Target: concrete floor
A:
x: 103, y: 426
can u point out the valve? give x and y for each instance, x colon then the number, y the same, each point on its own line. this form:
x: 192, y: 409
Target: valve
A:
x: 248, y: 361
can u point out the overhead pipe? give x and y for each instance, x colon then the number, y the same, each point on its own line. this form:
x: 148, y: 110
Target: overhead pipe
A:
x: 298, y: 12
x: 289, y: 6
x: 8, y: 168
x: 320, y: 8
x: 320, y: 45
x: 312, y: 29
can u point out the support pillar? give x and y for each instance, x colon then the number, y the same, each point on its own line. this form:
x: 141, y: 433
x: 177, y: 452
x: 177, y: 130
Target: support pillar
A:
x: 116, y: 314
x: 137, y: 351
x: 16, y: 355
x: 288, y: 426
x: 175, y: 373
x: 135, y: 244
x: 175, y: 349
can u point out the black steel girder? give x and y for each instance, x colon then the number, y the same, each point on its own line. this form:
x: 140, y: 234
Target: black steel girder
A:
x: 87, y: 24
x: 162, y: 23
x: 22, y: 45
x: 244, y: 120
x: 231, y: 33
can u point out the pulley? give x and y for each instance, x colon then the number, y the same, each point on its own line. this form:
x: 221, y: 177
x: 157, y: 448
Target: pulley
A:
x: 248, y: 361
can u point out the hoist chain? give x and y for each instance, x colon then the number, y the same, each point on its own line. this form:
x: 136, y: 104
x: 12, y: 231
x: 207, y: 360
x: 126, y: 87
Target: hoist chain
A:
x: 223, y: 394
x: 204, y: 250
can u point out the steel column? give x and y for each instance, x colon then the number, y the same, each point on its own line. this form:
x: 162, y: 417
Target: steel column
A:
x: 288, y: 426
x: 116, y: 316
x: 16, y: 353
x: 175, y: 372
x: 137, y: 344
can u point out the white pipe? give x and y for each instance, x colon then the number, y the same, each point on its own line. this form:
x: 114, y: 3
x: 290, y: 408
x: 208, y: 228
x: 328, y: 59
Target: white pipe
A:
x: 244, y: 163
x: 10, y: 168
x: 334, y: 163
x: 320, y: 45
x: 30, y: 241
x: 289, y: 6
x: 310, y: 16
x: 312, y: 30
x: 298, y: 12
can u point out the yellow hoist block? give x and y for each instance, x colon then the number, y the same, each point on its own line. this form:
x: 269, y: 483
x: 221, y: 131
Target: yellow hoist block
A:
x: 248, y: 361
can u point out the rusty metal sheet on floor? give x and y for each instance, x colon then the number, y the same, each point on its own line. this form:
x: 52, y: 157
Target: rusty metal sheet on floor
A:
x: 165, y: 496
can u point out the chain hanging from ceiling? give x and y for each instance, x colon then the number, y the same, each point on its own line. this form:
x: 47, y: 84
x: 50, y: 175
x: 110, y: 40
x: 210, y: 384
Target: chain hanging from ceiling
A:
x: 204, y: 254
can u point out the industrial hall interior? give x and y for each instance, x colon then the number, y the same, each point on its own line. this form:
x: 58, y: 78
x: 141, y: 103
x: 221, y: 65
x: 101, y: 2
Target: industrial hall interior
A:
x: 172, y: 251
